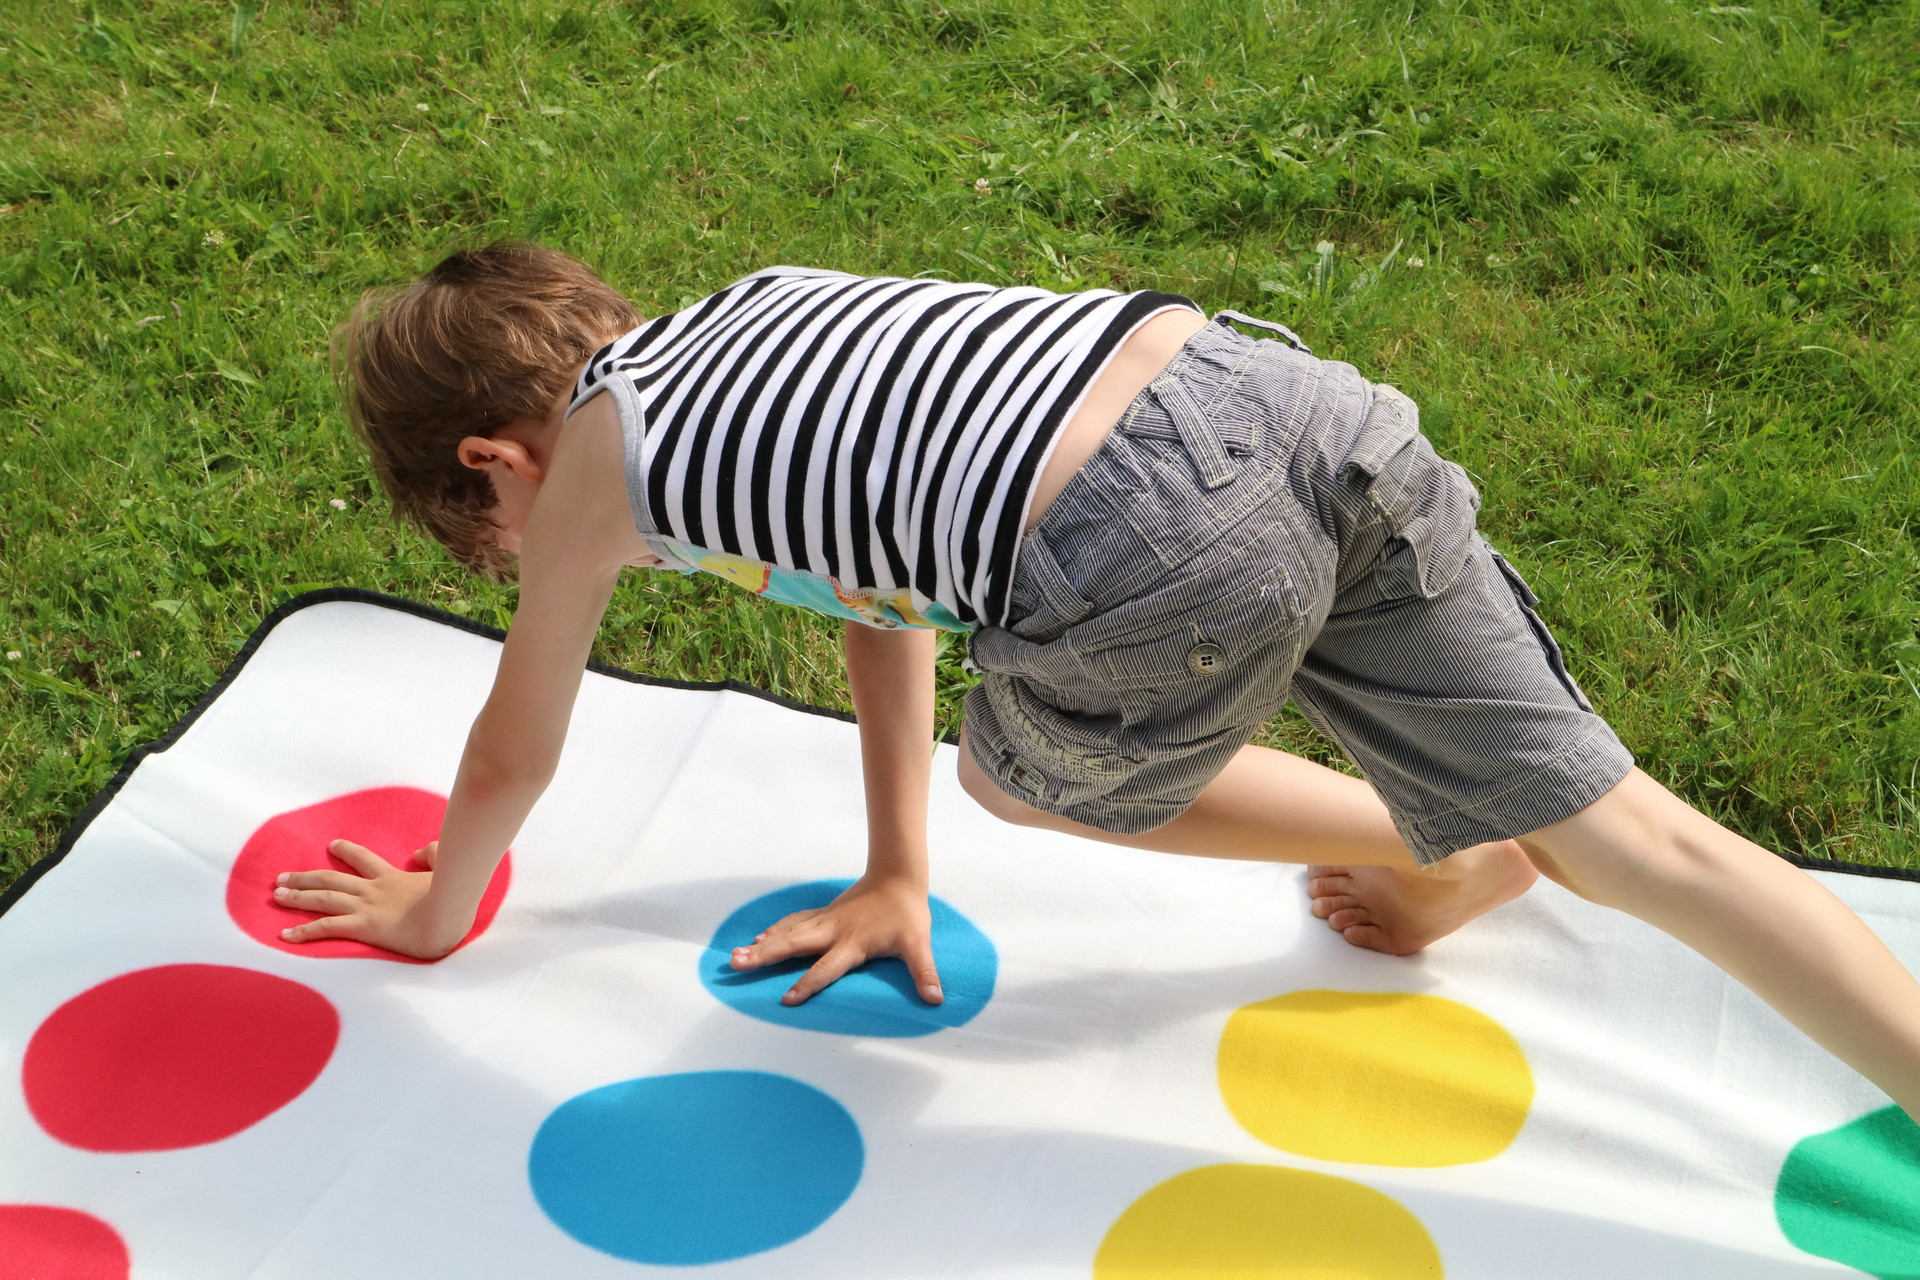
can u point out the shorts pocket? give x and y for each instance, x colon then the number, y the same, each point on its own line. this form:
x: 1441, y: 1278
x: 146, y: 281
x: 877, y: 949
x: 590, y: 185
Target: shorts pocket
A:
x: 1427, y: 503
x: 1529, y: 609
x: 1209, y: 643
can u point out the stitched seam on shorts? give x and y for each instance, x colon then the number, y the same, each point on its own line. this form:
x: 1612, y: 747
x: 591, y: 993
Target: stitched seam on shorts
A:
x: 1527, y: 781
x: 1176, y: 369
x: 1231, y: 382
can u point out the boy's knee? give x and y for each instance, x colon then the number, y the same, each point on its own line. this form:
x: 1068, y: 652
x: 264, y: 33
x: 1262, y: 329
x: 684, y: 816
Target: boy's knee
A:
x: 1637, y: 840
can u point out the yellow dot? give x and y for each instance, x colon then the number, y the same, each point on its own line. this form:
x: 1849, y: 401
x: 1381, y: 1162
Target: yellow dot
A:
x: 1259, y: 1222
x: 1370, y: 1078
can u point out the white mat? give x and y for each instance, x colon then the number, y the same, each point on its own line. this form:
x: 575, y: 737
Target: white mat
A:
x: 1557, y: 1092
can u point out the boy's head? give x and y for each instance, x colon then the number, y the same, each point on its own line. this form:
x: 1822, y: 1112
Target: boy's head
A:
x: 488, y: 337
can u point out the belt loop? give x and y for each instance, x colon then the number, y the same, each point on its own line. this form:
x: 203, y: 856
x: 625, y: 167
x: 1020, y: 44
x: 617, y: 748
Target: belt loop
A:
x: 1202, y: 441
x: 1291, y: 338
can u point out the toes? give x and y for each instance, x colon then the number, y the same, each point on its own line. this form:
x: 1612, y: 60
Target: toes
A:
x: 1374, y: 938
x: 1349, y: 917
x: 1337, y: 882
x: 1326, y: 905
x: 1370, y: 937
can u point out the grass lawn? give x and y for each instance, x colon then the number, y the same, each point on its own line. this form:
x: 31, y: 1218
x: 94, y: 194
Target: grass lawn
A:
x: 1648, y: 268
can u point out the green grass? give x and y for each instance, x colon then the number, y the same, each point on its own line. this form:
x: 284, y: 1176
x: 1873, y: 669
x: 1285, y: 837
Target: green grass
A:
x: 1647, y: 267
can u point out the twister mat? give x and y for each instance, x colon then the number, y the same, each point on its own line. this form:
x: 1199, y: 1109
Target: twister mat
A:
x: 1147, y: 1066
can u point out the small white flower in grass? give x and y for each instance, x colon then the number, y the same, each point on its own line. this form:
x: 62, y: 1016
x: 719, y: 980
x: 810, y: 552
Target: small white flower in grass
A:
x: 741, y: 119
x: 1493, y: 259
x: 14, y: 655
x: 134, y: 654
x: 1416, y: 262
x: 338, y: 504
x: 982, y: 187
x: 420, y: 106
x: 214, y: 237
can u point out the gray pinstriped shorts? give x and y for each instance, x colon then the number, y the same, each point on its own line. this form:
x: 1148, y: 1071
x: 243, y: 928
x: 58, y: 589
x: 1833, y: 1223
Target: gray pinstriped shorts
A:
x: 1262, y: 525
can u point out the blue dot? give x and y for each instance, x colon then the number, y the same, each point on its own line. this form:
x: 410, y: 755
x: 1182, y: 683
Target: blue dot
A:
x: 877, y: 999
x: 684, y: 1170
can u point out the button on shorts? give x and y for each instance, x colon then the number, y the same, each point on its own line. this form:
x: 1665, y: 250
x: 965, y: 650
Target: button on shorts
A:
x: 1263, y: 525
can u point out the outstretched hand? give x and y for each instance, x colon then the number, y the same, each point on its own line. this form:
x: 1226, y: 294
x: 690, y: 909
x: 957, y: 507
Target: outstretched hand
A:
x: 377, y: 903
x: 871, y: 919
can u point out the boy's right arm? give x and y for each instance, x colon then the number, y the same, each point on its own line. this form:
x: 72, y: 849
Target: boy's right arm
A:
x: 885, y: 911
x: 578, y: 536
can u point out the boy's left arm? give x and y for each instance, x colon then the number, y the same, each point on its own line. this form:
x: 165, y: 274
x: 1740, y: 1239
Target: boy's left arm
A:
x: 884, y: 913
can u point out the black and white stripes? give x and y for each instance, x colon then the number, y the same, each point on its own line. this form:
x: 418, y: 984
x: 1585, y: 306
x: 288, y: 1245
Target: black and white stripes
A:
x: 883, y: 432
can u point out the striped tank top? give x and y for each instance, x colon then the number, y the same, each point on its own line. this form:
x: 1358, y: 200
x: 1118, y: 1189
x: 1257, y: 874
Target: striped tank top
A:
x: 865, y: 447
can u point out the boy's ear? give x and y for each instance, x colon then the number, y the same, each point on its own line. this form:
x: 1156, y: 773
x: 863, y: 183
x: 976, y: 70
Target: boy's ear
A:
x: 487, y: 453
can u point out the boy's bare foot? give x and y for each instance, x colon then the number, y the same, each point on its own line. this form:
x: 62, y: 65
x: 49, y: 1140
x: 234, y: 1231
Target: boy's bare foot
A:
x: 1399, y: 912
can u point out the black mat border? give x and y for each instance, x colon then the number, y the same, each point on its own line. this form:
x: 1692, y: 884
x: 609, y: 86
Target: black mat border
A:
x: 358, y: 595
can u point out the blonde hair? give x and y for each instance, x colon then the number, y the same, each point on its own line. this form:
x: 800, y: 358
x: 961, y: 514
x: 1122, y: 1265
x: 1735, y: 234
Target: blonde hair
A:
x: 487, y: 337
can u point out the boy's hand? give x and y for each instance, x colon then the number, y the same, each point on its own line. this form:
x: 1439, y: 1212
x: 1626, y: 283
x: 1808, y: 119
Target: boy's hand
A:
x: 381, y: 906
x: 872, y: 918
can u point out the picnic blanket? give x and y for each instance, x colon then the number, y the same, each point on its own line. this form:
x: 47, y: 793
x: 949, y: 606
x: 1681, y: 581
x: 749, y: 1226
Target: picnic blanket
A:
x: 1146, y: 1065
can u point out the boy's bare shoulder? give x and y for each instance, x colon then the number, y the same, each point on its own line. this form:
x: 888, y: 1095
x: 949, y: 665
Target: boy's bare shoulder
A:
x: 597, y: 417
x: 583, y: 498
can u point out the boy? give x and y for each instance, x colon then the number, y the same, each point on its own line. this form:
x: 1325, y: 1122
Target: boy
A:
x: 1155, y: 530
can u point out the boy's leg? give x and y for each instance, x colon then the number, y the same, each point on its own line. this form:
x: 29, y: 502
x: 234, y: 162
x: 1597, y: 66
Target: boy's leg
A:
x: 1770, y: 925
x: 1270, y: 806
x: 1639, y: 849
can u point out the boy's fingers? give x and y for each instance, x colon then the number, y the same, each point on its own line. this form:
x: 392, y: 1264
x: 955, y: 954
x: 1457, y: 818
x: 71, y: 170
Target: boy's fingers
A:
x: 324, y: 927
x: 796, y: 942
x: 787, y: 923
x: 361, y: 859
x: 337, y: 880
x: 918, y: 957
x: 326, y: 901
x: 825, y: 972
x: 426, y: 853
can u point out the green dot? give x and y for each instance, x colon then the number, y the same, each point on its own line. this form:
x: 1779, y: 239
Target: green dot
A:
x: 1852, y: 1194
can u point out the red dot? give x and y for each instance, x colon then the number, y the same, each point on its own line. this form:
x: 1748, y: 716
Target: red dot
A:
x: 177, y: 1056
x: 41, y: 1242
x: 391, y: 821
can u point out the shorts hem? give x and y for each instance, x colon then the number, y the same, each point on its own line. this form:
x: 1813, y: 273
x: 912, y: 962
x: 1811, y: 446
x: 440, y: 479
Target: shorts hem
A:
x: 1119, y: 820
x: 1557, y: 790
